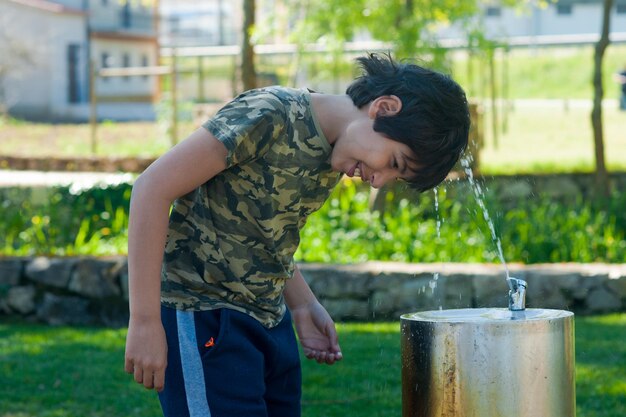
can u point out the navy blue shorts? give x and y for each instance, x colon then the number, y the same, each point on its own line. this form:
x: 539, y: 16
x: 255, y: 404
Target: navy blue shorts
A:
x: 225, y: 363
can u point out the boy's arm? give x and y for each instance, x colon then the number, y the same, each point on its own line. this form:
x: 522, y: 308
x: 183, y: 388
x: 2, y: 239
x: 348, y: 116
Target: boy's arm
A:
x: 186, y: 166
x: 316, y: 329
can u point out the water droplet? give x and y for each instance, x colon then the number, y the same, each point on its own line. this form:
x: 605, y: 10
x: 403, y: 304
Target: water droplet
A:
x: 437, y: 212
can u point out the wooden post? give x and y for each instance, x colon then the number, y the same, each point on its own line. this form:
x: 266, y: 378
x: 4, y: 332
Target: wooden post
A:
x: 234, y: 77
x: 93, y: 118
x: 200, y: 96
x: 505, y: 90
x: 336, y: 87
x: 476, y: 135
x: 174, y: 99
x: 470, y: 74
x: 158, y: 83
x: 603, y: 188
x: 494, y: 94
x: 248, y: 69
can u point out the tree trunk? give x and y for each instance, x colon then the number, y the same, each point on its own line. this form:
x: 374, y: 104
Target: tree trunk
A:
x: 220, y: 24
x: 602, y: 178
x: 248, y: 72
x: 491, y: 55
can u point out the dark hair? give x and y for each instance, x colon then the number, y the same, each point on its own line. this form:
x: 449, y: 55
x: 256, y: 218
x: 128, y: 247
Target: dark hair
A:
x: 434, y: 119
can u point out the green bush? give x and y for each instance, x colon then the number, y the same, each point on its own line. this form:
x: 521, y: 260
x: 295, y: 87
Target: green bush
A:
x: 64, y: 221
x: 529, y: 230
x: 443, y: 226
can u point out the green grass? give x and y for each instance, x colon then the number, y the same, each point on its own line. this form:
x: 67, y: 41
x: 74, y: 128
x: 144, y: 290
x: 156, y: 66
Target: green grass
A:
x: 601, y: 366
x: 144, y: 139
x: 555, y: 73
x: 78, y: 372
x: 550, y: 139
x: 538, y: 139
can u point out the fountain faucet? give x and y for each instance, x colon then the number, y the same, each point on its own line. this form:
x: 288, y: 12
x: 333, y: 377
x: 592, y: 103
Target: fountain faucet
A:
x: 517, y: 294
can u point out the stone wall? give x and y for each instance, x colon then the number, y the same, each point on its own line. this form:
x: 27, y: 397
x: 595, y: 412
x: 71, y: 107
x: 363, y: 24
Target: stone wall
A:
x: 75, y: 164
x: 384, y: 291
x: 94, y: 291
x: 76, y: 291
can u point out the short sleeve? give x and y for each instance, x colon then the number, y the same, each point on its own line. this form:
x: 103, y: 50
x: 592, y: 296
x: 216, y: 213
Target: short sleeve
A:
x: 248, y: 125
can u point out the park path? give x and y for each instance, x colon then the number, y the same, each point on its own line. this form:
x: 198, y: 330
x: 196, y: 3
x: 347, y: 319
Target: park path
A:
x: 81, y: 180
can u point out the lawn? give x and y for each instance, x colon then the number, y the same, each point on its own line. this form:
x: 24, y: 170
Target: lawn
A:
x: 78, y: 372
x: 540, y: 137
x: 543, y: 72
x: 545, y: 137
x: 147, y: 139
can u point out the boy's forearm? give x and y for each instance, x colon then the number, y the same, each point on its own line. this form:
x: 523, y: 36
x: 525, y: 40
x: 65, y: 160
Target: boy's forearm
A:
x: 146, y: 242
x: 297, y: 291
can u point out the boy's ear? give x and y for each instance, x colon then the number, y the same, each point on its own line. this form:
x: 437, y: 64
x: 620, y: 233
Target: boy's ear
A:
x: 385, y: 106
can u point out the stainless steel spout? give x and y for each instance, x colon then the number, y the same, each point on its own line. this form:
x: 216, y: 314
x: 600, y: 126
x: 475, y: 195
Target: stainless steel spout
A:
x: 517, y: 294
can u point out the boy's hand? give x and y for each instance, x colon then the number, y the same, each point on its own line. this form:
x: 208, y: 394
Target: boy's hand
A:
x: 317, y: 333
x: 146, y: 353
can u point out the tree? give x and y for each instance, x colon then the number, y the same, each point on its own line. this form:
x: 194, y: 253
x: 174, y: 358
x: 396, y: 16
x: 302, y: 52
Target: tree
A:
x: 407, y: 24
x: 248, y: 71
x: 602, y: 177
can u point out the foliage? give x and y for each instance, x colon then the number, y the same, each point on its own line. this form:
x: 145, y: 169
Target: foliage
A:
x: 78, y: 372
x: 62, y: 221
x: 411, y: 230
x: 403, y: 22
x: 408, y: 25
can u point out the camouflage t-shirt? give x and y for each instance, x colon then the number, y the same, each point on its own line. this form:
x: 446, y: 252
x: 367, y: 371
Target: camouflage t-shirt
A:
x: 231, y: 241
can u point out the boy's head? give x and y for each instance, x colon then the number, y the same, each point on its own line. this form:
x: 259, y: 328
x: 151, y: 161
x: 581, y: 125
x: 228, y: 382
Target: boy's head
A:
x: 434, y: 118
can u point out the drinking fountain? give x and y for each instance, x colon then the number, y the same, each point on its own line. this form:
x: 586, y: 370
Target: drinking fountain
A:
x: 489, y: 362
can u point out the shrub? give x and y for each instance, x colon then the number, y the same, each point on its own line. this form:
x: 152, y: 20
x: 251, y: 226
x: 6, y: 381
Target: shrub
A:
x: 443, y: 226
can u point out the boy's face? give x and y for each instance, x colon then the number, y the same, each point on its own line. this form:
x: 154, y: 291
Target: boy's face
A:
x: 365, y: 153
x: 361, y: 151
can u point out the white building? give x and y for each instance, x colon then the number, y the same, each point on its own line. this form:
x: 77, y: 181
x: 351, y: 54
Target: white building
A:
x: 566, y: 21
x: 46, y: 47
x: 206, y: 23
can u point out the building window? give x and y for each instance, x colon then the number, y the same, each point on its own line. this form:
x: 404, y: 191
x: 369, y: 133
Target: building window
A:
x: 493, y: 11
x: 621, y: 8
x: 144, y: 63
x: 73, y: 73
x: 564, y: 9
x: 105, y: 62
x: 126, y: 16
x: 126, y: 63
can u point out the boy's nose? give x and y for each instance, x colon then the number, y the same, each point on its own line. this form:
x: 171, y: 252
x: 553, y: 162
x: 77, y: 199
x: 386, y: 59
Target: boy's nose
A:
x: 379, y: 179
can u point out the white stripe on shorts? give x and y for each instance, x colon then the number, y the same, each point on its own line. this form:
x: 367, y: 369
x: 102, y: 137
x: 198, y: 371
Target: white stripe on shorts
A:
x: 191, y: 363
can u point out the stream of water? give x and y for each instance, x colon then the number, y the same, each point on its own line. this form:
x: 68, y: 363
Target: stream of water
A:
x: 435, y: 190
x: 479, y: 194
x: 480, y: 199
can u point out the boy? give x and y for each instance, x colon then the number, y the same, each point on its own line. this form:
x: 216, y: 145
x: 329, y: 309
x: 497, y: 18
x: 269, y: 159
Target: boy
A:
x: 210, y: 320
